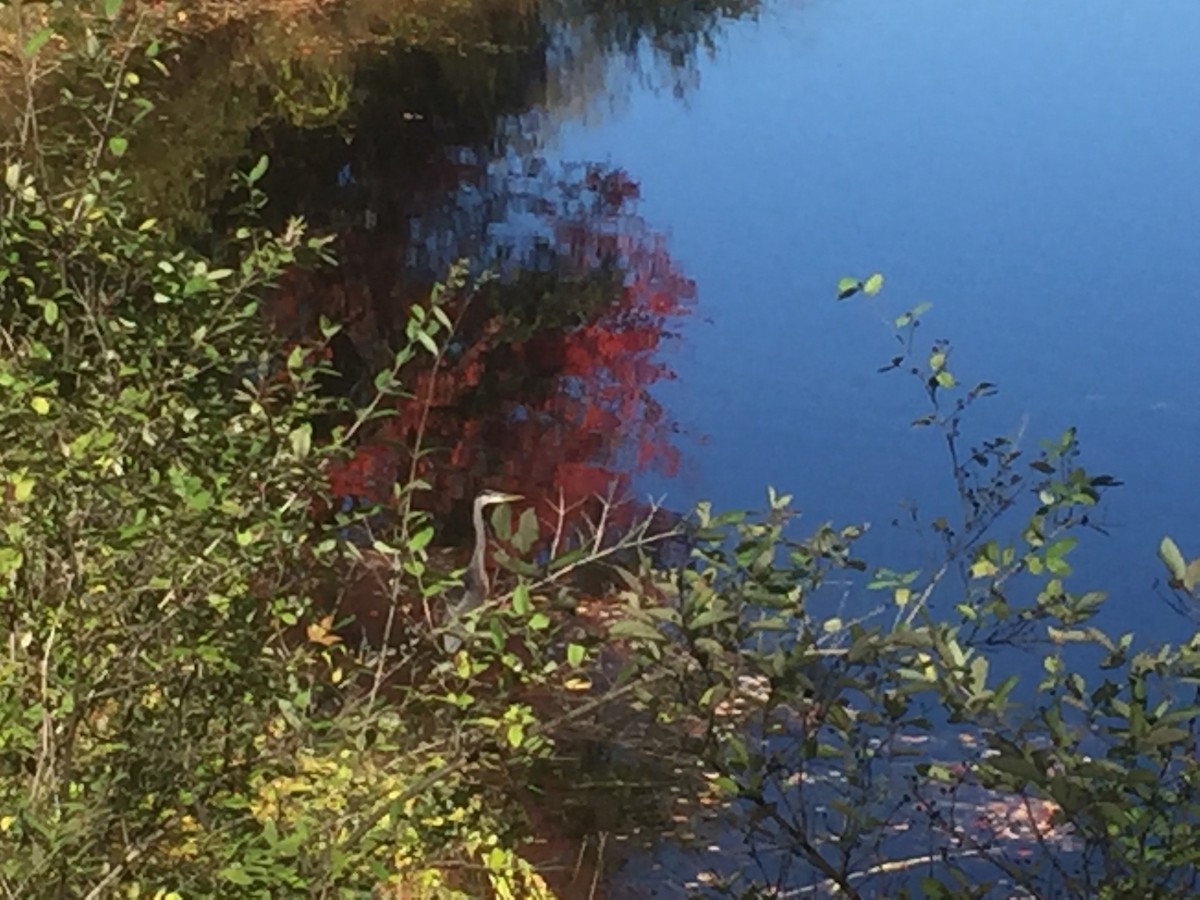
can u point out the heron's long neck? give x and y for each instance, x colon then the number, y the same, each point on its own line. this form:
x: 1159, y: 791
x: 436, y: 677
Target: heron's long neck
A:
x: 479, y: 556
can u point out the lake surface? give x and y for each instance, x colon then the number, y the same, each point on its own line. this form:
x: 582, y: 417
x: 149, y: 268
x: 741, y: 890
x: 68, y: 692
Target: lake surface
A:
x: 1028, y: 168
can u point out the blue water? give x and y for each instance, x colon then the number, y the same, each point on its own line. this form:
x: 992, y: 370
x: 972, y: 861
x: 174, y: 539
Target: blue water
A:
x: 1029, y: 168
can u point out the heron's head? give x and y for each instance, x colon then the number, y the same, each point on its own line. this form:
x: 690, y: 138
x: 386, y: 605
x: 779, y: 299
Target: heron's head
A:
x: 491, y: 498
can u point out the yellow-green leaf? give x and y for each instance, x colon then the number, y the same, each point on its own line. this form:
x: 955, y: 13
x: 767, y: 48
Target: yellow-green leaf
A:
x: 37, y: 41
x: 1169, y: 553
x: 1191, y: 575
x: 22, y: 488
x: 848, y: 287
x: 40, y: 405
x: 983, y: 568
x: 873, y: 285
x: 301, y: 438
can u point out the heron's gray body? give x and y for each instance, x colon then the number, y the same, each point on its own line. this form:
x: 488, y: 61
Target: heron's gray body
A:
x: 475, y: 581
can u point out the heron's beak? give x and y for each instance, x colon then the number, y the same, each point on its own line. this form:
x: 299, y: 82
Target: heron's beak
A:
x: 509, y: 498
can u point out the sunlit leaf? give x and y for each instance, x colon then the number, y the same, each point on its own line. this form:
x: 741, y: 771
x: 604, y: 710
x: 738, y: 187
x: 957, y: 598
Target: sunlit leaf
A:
x: 983, y: 568
x: 36, y: 41
x: 301, y: 438
x: 420, y: 540
x: 522, y: 604
x: 873, y: 285
x: 322, y: 632
x: 1191, y: 575
x: 23, y: 488
x: 427, y: 342
x: 848, y: 287
x: 117, y: 145
x: 236, y: 874
x: 1169, y: 553
x: 259, y: 170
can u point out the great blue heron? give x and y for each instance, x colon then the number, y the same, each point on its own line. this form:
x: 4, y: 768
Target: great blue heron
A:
x: 475, y: 580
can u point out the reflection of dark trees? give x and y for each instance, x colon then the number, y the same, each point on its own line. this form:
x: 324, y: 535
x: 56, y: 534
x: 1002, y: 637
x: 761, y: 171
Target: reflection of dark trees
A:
x: 546, y: 383
x: 676, y: 29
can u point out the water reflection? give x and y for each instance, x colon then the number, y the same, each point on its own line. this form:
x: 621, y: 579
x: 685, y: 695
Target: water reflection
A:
x: 545, y: 387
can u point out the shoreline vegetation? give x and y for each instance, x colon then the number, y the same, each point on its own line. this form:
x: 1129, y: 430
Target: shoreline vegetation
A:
x: 240, y: 433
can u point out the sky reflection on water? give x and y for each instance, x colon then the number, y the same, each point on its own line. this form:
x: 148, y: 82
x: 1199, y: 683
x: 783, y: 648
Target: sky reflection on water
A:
x: 1028, y: 168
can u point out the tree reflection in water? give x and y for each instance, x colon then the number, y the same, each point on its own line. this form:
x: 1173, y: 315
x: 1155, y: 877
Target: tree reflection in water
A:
x: 545, y: 385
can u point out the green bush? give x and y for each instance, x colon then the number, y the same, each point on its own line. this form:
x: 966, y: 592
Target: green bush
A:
x: 176, y: 719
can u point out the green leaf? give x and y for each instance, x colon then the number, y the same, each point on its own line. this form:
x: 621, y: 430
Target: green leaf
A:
x: 420, y: 540
x: 945, y: 379
x: 111, y: 8
x: 236, y: 874
x: 427, y: 342
x: 1169, y: 553
x: 117, y: 145
x: 50, y: 312
x: 12, y: 176
x: 634, y: 628
x: 1166, y: 734
x: 1020, y: 768
x: 40, y: 405
x: 521, y: 601
x: 1061, y: 547
x: 515, y: 735
x: 576, y: 653
x: 301, y: 438
x: 539, y: 621
x: 23, y: 488
x: 501, y: 521
x: 714, y: 616
x: 37, y: 41
x: 259, y: 170
x: 848, y: 287
x: 527, y: 531
x: 1191, y: 575
x: 873, y: 285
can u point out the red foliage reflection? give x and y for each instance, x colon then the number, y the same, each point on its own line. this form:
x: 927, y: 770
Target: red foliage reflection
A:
x: 546, y: 388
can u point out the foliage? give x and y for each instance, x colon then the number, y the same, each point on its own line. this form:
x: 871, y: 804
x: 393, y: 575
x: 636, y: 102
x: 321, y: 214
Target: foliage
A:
x: 185, y: 708
x: 180, y: 713
x: 558, y: 353
x: 884, y: 747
